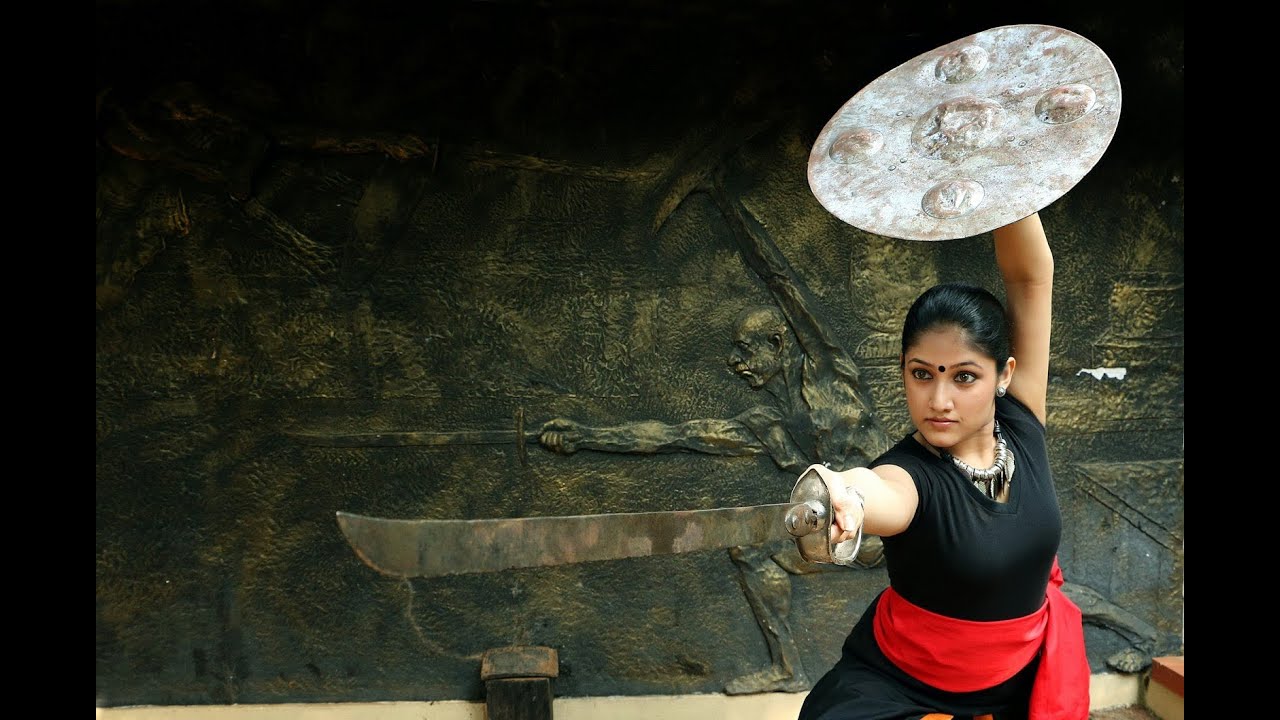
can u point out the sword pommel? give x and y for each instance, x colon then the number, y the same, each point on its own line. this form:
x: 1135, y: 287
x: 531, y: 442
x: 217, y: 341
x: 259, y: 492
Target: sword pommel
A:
x: 805, y: 517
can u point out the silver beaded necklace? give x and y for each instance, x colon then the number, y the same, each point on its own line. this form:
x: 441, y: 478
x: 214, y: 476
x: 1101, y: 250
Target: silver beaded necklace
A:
x: 994, y: 480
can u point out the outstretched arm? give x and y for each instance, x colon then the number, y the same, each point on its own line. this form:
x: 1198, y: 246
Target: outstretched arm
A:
x: 715, y: 437
x: 889, y: 494
x: 1026, y: 266
x: 755, y: 432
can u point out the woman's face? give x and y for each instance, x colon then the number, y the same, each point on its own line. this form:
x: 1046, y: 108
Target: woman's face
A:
x: 951, y: 387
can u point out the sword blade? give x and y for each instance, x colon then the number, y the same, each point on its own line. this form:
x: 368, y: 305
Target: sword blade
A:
x: 433, y: 548
x: 402, y: 438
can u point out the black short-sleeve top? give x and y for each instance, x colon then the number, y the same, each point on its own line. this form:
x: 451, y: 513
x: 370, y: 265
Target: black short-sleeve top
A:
x: 965, y: 555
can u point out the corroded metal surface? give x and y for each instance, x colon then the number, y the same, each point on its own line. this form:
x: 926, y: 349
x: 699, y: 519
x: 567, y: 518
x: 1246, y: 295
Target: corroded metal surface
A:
x: 433, y: 548
x: 969, y: 136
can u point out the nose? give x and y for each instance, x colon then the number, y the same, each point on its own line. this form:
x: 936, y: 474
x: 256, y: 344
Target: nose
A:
x: 940, y: 397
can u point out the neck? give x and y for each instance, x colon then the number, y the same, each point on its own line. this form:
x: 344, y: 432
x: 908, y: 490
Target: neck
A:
x: 994, y: 478
x: 978, y: 450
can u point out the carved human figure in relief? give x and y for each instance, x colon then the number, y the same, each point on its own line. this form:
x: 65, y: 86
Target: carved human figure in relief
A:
x: 818, y: 411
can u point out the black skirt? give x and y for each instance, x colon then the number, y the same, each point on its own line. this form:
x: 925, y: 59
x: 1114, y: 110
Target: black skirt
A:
x: 866, y: 685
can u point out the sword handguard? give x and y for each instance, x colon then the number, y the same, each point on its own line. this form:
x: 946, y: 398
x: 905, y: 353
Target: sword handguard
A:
x: 813, y: 515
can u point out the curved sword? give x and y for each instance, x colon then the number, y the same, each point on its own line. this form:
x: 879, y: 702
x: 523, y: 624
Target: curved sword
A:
x: 432, y: 548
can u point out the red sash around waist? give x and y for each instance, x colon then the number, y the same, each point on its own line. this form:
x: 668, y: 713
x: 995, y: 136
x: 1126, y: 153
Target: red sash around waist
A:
x: 967, y: 655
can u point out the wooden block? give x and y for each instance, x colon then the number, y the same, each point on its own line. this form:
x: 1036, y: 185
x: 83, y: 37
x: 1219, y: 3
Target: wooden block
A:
x: 1163, y: 703
x: 1167, y: 671
x: 519, y: 661
x: 518, y: 699
x: 517, y: 682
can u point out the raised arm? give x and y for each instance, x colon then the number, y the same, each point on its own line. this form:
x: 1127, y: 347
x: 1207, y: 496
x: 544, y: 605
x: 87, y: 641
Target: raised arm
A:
x: 795, y: 300
x: 1026, y: 265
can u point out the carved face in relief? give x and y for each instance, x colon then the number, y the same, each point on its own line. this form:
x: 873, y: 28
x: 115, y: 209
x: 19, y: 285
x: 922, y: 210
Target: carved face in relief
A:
x: 758, y: 343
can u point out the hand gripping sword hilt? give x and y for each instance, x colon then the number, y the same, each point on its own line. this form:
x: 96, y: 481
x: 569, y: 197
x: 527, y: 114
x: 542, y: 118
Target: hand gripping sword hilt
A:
x: 809, y: 521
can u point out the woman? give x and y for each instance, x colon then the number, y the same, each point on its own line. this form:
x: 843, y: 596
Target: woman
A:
x: 972, y: 623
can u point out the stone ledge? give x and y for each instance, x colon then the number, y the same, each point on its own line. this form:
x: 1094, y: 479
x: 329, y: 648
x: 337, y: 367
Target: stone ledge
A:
x: 1106, y: 690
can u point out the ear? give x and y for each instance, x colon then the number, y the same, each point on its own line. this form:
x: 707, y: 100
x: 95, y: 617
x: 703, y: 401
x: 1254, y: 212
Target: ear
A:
x: 775, y: 339
x: 1007, y: 376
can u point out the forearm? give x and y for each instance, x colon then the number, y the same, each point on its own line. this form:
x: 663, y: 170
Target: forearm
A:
x: 884, y: 505
x: 1026, y: 265
x: 1023, y: 254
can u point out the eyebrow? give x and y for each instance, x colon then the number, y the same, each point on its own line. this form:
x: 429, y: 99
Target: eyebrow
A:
x: 963, y: 363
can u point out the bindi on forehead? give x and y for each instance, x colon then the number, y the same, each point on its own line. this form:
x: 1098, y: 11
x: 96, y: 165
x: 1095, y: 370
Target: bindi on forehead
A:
x: 942, y: 368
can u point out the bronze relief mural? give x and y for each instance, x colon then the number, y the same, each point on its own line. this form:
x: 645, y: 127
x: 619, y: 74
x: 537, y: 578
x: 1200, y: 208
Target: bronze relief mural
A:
x: 509, y: 260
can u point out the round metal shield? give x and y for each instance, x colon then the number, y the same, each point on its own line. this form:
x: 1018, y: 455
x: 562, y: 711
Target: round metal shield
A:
x: 970, y: 136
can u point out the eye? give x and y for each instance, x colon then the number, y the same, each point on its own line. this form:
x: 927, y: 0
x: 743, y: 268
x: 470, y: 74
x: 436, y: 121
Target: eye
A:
x: 966, y: 378
x: 920, y: 374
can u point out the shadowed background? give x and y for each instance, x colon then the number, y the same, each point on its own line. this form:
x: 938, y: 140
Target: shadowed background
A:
x: 478, y: 216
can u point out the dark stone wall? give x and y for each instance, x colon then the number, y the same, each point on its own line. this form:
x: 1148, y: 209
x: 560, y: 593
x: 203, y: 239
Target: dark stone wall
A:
x: 479, y: 216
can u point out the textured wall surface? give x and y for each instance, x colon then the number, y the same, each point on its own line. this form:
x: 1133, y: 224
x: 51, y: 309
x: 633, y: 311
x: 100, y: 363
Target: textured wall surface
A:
x: 470, y: 218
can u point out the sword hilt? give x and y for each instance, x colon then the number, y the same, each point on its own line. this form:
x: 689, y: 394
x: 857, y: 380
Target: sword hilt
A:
x: 809, y: 521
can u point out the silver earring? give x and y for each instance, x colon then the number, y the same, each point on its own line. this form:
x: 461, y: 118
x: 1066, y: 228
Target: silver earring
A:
x: 1000, y: 391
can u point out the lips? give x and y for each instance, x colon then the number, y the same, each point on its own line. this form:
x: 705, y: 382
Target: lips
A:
x: 940, y: 422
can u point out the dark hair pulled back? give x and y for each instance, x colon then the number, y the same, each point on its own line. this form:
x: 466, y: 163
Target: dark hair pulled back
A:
x: 965, y: 306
